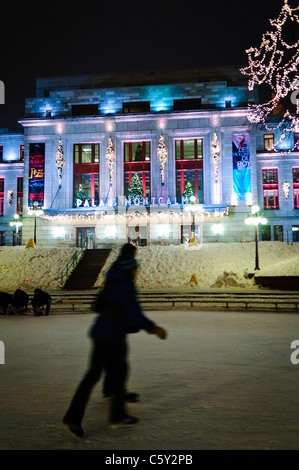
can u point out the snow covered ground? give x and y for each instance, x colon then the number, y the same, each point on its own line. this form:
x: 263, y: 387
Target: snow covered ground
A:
x: 215, y: 265
x: 28, y: 268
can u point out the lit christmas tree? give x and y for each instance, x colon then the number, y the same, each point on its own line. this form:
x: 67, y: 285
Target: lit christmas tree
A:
x: 275, y: 64
x: 135, y: 188
x: 80, y: 195
x: 188, y: 191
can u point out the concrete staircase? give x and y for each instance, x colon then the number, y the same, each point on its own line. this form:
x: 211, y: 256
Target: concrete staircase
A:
x: 87, y: 270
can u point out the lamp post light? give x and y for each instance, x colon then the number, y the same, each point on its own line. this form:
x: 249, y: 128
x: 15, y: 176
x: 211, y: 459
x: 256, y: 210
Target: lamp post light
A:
x: 16, y: 223
x: 37, y: 212
x: 255, y: 219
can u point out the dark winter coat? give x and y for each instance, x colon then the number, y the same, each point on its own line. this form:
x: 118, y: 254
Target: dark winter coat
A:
x: 40, y: 298
x: 5, y: 300
x: 119, y: 307
x: 21, y: 299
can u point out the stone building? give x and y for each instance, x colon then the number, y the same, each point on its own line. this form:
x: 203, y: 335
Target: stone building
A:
x: 158, y: 157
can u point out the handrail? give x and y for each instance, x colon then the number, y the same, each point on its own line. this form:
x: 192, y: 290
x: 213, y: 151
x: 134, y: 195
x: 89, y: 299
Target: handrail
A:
x: 72, y: 263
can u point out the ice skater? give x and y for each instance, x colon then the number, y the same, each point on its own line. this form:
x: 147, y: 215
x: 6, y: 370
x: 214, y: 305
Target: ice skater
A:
x: 119, y: 308
x: 128, y: 251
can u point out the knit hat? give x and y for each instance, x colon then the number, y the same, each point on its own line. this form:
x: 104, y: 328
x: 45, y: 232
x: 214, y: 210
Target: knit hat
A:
x: 127, y: 263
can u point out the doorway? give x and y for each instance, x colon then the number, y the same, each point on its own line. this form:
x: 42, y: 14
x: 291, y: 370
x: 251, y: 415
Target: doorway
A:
x: 137, y: 235
x: 85, y: 237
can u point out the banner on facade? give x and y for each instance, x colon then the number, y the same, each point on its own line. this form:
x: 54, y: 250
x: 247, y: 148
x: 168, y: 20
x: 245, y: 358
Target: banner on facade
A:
x: 36, y: 174
x: 241, y: 166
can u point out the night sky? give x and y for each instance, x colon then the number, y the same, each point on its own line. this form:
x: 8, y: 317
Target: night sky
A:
x: 58, y: 38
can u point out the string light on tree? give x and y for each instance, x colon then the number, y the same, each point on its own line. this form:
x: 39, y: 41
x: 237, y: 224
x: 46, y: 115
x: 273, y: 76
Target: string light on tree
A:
x: 275, y: 64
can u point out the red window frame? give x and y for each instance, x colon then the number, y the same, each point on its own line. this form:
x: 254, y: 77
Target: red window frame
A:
x: 20, y: 180
x: 195, y: 164
x: 296, y: 187
x: 143, y: 166
x: 268, y: 138
x: 270, y: 184
x: 1, y: 197
x: 92, y: 168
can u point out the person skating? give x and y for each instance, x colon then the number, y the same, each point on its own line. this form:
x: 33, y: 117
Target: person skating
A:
x: 129, y: 251
x: 119, y: 308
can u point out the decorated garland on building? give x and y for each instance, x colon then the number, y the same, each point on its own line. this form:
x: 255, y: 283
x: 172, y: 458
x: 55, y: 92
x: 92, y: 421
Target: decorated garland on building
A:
x: 215, y: 153
x: 9, y: 197
x: 110, y: 158
x: 162, y: 157
x: 59, y: 161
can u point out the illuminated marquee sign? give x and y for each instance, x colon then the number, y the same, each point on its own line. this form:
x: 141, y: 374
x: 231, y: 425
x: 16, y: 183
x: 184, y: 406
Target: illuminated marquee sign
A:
x: 36, y: 174
x: 145, y: 201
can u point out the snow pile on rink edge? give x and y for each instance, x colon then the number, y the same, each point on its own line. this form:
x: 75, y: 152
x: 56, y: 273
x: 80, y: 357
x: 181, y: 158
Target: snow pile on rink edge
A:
x: 211, y: 265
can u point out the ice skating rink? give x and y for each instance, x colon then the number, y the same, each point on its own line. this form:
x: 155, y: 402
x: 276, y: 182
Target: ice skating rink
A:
x: 222, y: 380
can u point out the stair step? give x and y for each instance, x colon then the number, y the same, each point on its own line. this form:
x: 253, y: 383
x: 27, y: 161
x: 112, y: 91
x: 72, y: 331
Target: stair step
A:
x: 87, y: 270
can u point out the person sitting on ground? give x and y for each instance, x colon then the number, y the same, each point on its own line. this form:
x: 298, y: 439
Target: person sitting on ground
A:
x: 41, y: 298
x: 5, y: 300
x: 20, y: 301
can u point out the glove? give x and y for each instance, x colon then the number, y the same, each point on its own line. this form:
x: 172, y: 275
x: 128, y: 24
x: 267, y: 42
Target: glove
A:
x: 159, y: 331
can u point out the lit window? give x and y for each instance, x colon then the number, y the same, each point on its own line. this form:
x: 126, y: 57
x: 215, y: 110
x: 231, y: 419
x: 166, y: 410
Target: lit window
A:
x: 269, y: 142
x: 270, y: 188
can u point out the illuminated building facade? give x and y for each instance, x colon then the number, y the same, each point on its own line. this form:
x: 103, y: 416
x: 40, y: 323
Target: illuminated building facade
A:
x: 148, y: 158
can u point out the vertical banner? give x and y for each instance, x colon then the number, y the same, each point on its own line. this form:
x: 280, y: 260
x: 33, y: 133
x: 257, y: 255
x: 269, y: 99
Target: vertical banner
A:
x: 241, y: 166
x: 36, y: 174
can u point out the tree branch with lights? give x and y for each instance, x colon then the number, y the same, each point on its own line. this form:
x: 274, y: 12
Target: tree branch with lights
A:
x: 275, y: 64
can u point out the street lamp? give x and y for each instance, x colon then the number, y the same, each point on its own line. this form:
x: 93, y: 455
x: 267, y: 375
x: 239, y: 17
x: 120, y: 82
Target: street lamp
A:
x: 16, y: 223
x: 37, y: 212
x: 255, y: 219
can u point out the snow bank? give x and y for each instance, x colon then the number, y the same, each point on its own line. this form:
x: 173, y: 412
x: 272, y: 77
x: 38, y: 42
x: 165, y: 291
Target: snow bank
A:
x: 214, y: 265
x: 28, y: 268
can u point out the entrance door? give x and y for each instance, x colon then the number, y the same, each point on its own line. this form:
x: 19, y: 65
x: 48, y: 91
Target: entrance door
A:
x: 137, y: 235
x: 2, y: 238
x: 85, y: 236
